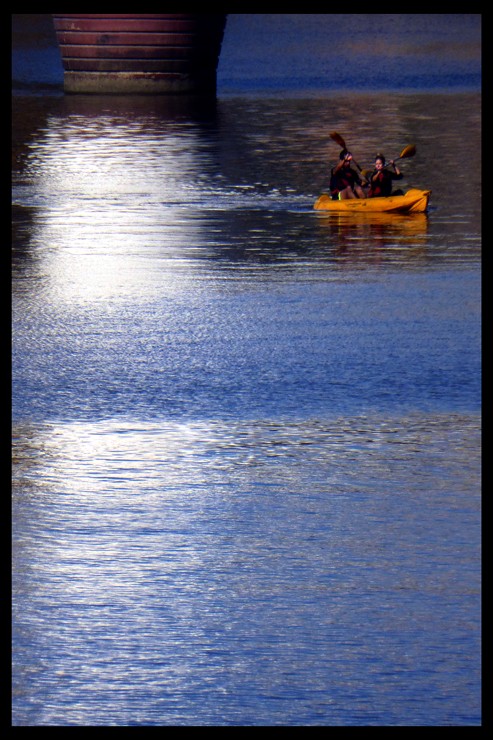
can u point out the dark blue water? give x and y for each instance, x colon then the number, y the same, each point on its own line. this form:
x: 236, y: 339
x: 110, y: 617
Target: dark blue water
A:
x: 246, y: 435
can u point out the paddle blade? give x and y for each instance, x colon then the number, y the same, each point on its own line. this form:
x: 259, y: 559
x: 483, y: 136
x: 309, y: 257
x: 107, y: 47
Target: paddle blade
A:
x: 338, y: 139
x: 408, y: 151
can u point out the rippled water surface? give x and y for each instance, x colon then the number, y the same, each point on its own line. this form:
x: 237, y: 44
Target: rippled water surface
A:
x: 246, y: 434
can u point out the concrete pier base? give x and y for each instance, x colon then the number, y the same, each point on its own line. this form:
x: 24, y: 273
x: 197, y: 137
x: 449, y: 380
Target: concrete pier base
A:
x: 135, y: 83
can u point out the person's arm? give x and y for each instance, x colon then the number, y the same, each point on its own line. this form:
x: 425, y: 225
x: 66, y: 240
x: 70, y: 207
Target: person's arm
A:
x: 396, y: 174
x: 338, y: 166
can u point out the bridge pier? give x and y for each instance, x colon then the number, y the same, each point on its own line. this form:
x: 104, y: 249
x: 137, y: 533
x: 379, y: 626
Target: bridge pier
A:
x: 147, y: 53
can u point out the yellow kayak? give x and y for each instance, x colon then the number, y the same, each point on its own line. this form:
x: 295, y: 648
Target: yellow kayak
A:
x: 414, y: 201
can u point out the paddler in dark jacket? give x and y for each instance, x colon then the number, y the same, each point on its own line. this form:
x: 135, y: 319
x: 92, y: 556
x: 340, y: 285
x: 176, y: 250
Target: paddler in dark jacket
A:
x: 381, y: 179
x: 345, y: 182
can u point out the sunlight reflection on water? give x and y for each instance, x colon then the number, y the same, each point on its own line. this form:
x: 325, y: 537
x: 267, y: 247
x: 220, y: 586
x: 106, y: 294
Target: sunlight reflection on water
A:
x: 246, y: 435
x: 187, y: 553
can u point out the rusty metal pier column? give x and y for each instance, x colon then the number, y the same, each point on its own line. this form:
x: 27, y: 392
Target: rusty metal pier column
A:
x: 146, y: 53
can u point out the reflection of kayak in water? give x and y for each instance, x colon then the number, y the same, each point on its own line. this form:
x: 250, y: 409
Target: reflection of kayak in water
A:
x: 415, y: 223
x: 414, y: 201
x: 368, y: 235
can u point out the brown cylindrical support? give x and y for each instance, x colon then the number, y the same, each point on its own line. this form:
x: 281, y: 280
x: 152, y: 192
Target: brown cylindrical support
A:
x: 147, y: 53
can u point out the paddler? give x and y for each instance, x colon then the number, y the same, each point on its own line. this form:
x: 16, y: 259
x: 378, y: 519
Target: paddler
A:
x: 344, y: 181
x: 381, y: 179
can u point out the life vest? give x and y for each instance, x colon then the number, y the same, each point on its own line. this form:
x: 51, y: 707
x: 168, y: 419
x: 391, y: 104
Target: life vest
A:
x: 382, y: 186
x: 342, y: 179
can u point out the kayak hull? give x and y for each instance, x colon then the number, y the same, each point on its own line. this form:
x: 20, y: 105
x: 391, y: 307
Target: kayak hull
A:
x: 414, y: 201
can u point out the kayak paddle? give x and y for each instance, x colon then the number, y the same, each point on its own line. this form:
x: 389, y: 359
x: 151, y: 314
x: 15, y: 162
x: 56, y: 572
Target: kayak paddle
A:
x: 408, y: 151
x: 339, y: 140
